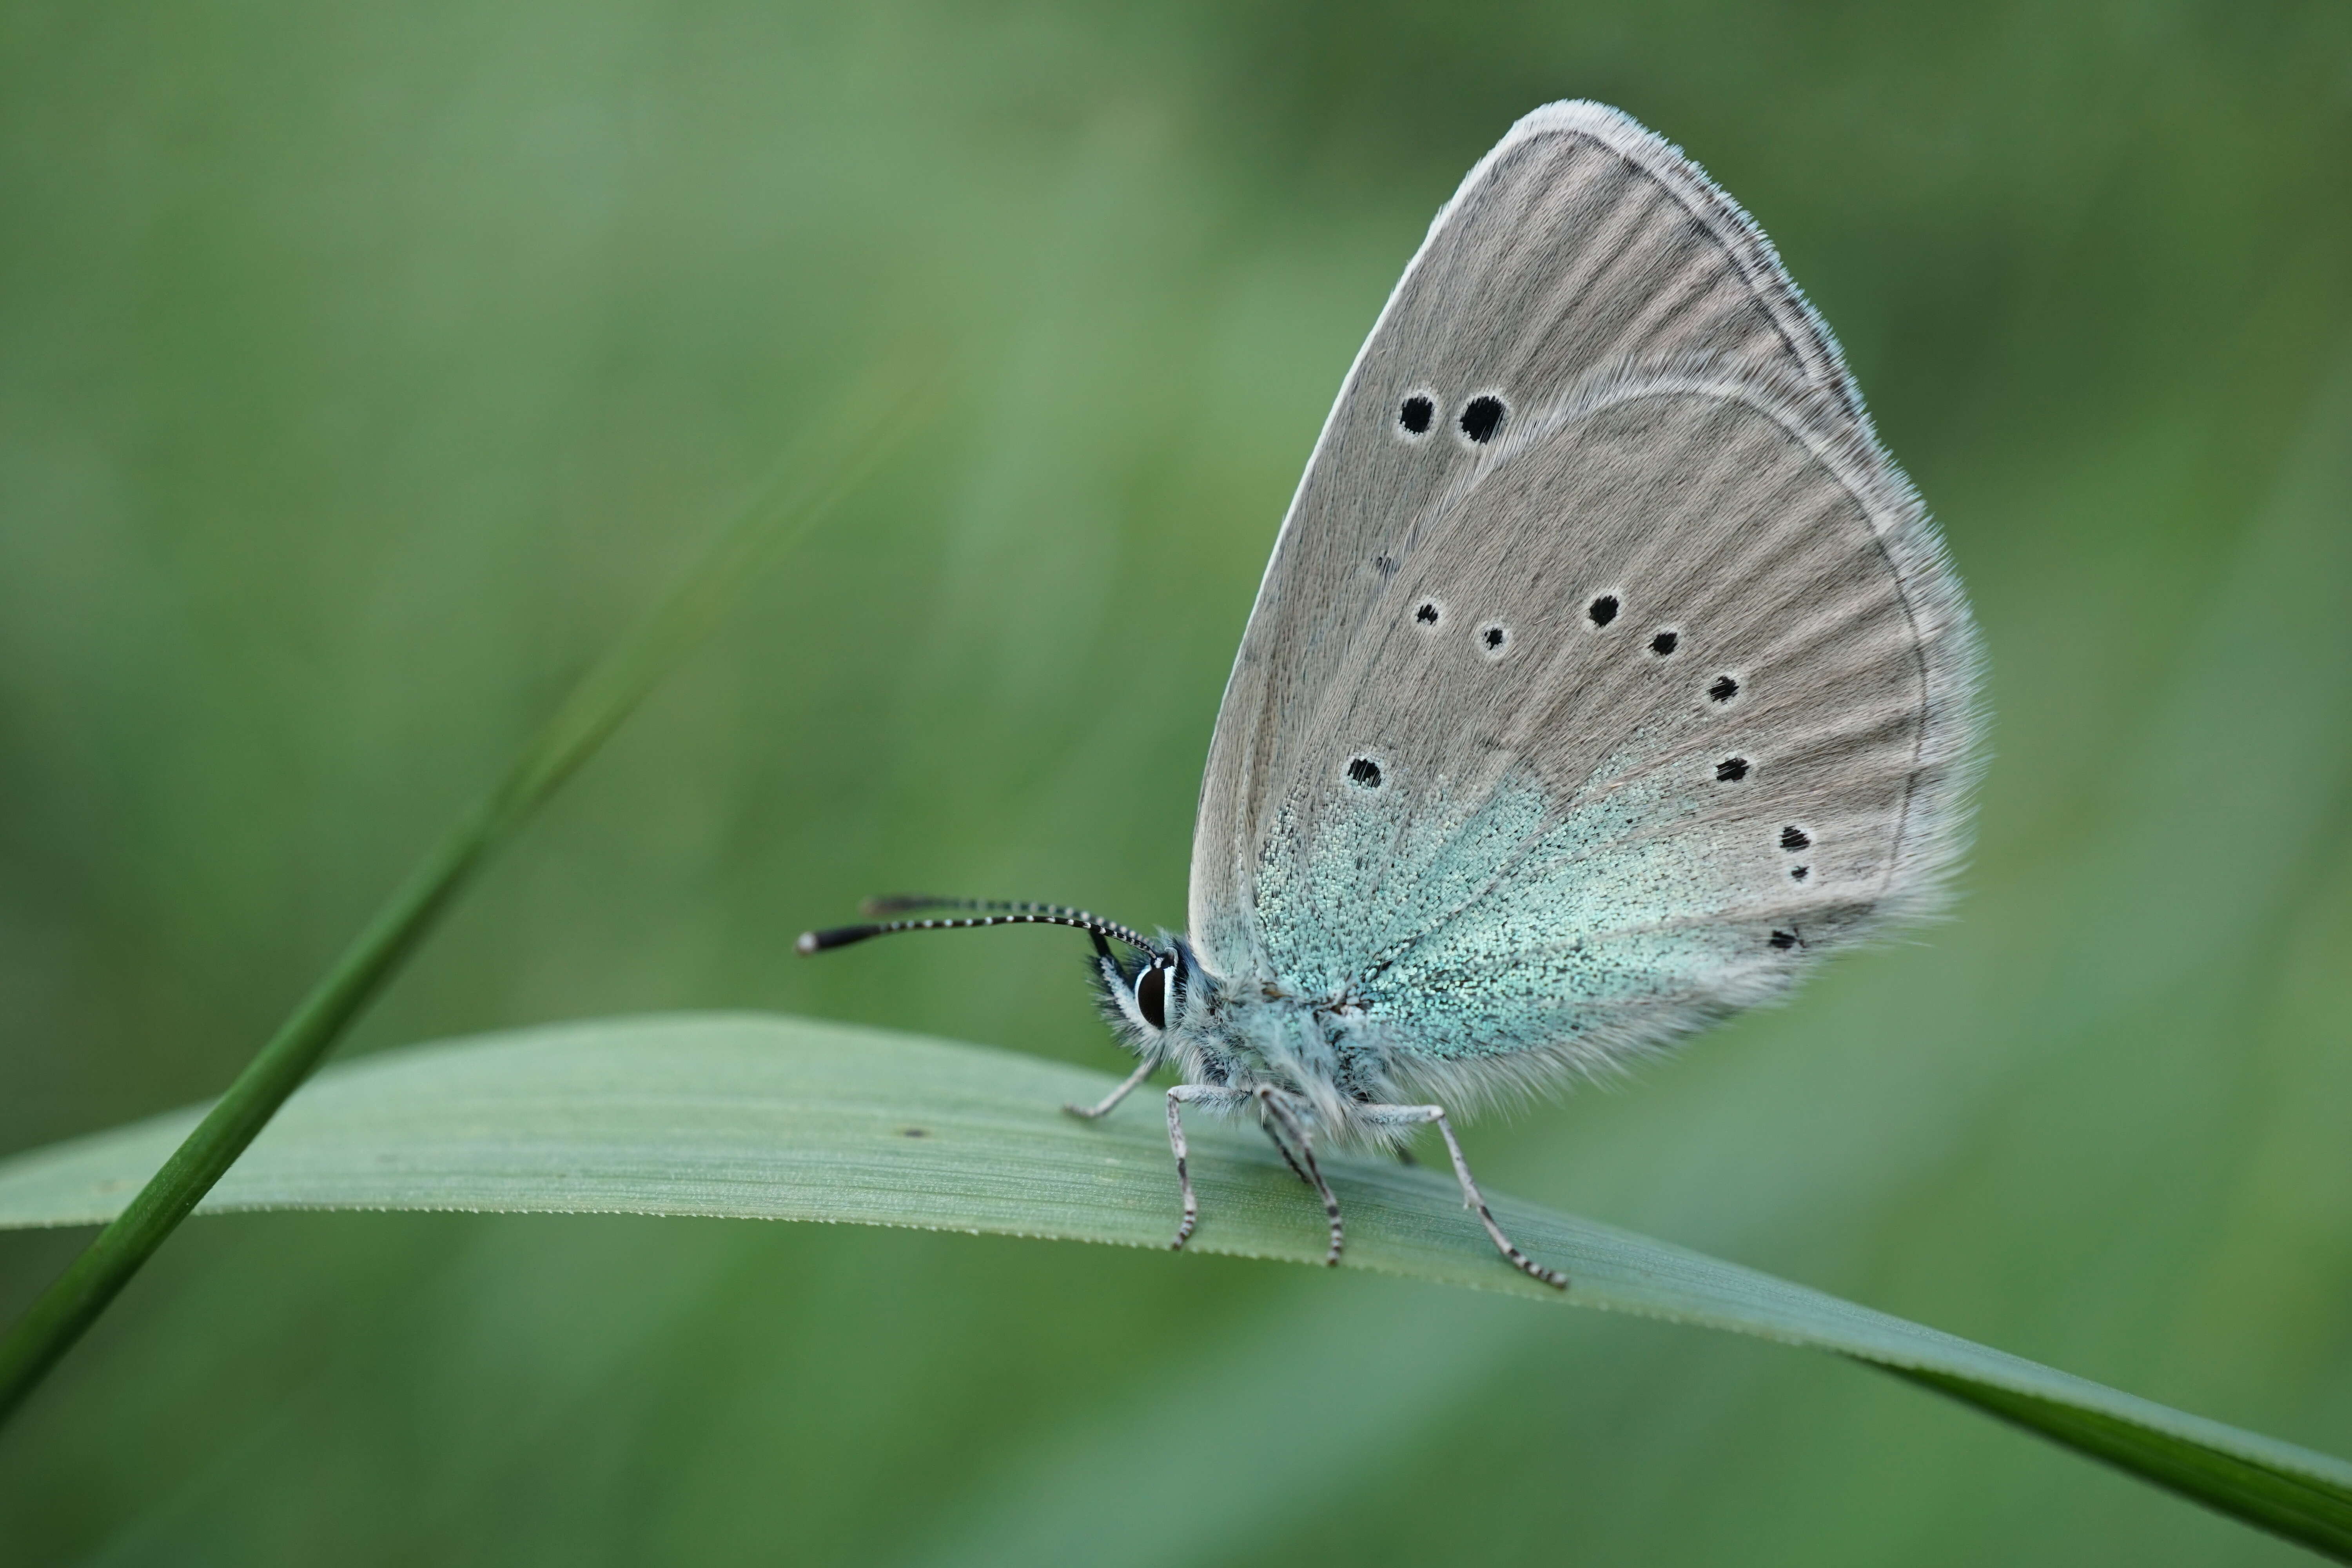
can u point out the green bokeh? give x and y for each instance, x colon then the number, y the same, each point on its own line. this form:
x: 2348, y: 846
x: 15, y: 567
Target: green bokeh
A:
x: 363, y: 370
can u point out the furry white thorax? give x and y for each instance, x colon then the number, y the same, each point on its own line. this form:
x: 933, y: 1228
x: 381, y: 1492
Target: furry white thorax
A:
x: 1312, y: 1051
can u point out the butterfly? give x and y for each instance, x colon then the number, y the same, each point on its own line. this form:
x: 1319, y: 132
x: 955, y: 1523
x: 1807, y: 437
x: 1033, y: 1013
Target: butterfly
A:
x: 1606, y: 675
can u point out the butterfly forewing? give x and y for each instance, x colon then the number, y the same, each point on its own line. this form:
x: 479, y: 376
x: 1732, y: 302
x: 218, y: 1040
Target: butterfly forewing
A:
x: 1581, y: 241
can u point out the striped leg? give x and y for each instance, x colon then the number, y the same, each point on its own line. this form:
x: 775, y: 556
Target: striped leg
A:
x: 1196, y: 1094
x: 1418, y: 1115
x: 1280, y: 1116
x: 1289, y: 1158
x: 1109, y: 1101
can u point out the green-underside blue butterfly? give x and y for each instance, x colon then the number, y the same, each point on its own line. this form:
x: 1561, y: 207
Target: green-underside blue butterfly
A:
x: 1606, y: 675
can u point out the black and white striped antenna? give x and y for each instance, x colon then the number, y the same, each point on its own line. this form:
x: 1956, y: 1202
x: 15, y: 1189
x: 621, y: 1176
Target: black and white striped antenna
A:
x: 999, y: 912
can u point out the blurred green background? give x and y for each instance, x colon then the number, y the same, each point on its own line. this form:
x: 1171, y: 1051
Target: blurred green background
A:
x: 364, y: 369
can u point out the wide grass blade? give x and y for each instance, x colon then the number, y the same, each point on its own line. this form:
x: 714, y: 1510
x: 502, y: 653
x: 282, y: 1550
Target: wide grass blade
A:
x: 771, y: 1117
x: 819, y: 469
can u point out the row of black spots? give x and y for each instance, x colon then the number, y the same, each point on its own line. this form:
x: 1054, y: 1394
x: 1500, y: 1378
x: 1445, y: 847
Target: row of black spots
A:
x: 1493, y: 639
x: 1481, y: 419
x: 1796, y: 840
x: 1603, y: 611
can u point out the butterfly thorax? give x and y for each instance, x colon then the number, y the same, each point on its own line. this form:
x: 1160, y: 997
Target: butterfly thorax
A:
x: 1250, y: 1032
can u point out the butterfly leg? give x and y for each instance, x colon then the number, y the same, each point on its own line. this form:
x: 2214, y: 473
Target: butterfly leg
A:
x: 1197, y: 1094
x: 1110, y: 1101
x: 1280, y: 1116
x: 1418, y: 1115
x: 1289, y: 1158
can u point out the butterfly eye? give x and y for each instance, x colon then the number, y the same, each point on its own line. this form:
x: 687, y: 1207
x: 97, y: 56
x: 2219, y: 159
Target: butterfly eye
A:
x: 1151, y: 994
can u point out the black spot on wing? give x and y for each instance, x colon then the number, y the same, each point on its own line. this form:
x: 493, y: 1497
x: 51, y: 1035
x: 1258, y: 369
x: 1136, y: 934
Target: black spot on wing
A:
x: 1480, y: 418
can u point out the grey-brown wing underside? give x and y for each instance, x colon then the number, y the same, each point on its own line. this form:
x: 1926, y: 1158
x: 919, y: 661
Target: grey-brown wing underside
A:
x: 1581, y: 242
x: 1669, y: 693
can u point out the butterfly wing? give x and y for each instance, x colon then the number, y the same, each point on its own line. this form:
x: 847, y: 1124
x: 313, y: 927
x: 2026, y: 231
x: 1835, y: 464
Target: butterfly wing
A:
x: 1551, y: 743
x: 1581, y: 241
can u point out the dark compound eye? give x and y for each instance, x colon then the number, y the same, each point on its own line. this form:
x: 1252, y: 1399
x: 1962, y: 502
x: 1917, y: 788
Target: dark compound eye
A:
x: 1663, y: 643
x: 1795, y: 838
x: 1427, y: 613
x: 1364, y: 774
x: 1482, y: 418
x: 1602, y: 610
x: 1724, y: 689
x: 1731, y: 770
x: 1416, y: 415
x: 1152, y: 996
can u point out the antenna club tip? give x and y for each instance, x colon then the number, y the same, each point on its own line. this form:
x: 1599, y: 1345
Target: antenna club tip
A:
x: 839, y: 936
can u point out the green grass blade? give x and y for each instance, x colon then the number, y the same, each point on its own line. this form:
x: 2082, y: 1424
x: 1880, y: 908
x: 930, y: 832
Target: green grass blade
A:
x: 819, y: 469
x: 2284, y: 1498
x: 786, y: 1119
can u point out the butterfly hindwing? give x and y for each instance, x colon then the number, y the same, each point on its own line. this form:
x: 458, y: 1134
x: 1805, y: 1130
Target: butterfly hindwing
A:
x: 1694, y: 706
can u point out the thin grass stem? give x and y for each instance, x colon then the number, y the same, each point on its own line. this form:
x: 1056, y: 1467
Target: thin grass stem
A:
x: 815, y: 474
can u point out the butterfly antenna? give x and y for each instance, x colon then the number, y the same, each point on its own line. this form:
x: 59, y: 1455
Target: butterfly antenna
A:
x: 1002, y: 912
x: 906, y: 903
